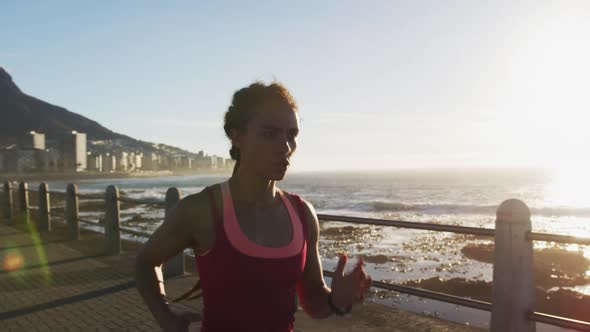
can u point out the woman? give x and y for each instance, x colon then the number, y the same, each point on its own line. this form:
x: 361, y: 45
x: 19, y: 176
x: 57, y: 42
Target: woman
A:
x: 256, y: 245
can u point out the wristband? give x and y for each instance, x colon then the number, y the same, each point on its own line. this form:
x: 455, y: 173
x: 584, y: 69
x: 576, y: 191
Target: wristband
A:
x: 335, y: 309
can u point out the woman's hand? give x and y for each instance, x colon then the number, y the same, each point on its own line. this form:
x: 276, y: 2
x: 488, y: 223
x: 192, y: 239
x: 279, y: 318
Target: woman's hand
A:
x: 180, y: 322
x: 350, y: 288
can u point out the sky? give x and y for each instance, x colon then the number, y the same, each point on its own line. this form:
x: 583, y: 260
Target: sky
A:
x: 379, y: 84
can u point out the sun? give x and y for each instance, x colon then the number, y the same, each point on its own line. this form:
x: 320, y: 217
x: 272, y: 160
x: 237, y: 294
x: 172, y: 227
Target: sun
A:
x: 546, y: 99
x: 569, y: 186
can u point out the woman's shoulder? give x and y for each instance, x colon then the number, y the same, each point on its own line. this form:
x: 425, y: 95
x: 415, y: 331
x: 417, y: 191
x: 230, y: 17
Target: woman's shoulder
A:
x: 195, y: 211
x: 197, y: 205
x: 309, y: 211
x: 297, y: 199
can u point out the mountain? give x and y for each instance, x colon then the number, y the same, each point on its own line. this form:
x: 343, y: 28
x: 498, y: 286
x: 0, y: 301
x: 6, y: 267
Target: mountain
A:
x: 21, y: 113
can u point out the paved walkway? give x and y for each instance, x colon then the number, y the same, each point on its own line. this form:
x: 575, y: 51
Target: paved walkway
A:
x: 71, y: 286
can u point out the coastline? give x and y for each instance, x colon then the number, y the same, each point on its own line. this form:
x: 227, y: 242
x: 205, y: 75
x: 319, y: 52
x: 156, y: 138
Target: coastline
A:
x: 407, y: 264
x: 57, y: 176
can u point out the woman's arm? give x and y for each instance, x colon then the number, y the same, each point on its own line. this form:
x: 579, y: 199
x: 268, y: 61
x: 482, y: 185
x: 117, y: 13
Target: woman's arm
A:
x: 345, y: 290
x: 174, y: 235
x: 312, y: 290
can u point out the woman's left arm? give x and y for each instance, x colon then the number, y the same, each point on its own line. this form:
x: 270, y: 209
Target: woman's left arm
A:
x: 312, y: 290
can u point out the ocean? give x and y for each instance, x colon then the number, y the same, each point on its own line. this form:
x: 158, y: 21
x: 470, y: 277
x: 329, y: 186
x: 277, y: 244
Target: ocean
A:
x: 559, y: 203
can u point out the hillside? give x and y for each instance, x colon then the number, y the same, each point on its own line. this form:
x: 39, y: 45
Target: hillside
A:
x: 20, y: 113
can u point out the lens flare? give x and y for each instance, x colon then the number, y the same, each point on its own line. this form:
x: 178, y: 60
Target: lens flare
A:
x: 13, y: 262
x: 47, y: 278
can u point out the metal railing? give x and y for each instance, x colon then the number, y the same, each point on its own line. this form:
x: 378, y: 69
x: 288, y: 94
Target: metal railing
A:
x: 512, y: 233
x: 467, y: 302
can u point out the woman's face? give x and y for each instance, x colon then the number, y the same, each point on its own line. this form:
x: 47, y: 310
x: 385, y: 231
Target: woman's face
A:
x: 269, y: 141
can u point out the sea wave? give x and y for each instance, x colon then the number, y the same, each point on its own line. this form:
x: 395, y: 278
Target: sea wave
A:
x: 156, y: 194
x: 382, y: 206
x: 390, y: 206
x: 149, y: 194
x: 562, y: 211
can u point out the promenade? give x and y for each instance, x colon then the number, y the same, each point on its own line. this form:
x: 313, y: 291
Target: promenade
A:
x: 50, y: 284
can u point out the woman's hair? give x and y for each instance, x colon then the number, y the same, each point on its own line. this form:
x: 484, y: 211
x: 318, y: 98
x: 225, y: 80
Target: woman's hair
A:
x: 242, y: 109
x: 244, y: 104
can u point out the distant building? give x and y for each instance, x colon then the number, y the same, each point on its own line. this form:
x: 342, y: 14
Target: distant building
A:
x: 9, y: 158
x: 32, y: 140
x: 26, y: 160
x: 220, y: 162
x: 123, y: 158
x: 135, y: 161
x: 30, y: 160
x: 203, y: 161
x: 229, y: 163
x: 150, y: 161
x: 52, y: 160
x: 94, y: 162
x: 73, y: 149
x: 109, y: 163
x: 183, y: 162
x: 165, y: 162
x: 30, y: 155
x: 175, y: 162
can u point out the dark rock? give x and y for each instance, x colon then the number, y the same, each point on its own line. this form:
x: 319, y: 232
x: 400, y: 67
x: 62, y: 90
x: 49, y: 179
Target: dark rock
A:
x: 553, y: 267
x: 560, y: 302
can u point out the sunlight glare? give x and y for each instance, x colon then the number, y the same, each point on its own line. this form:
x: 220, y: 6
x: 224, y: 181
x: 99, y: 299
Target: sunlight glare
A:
x: 570, y: 186
x: 546, y: 91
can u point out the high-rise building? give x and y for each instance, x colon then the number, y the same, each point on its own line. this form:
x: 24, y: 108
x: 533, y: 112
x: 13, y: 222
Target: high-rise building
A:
x: 29, y: 155
x: 32, y: 140
x: 73, y: 150
x: 52, y: 160
x: 123, y: 158
x: 109, y: 163
x: 150, y: 161
x: 135, y: 161
x: 94, y: 162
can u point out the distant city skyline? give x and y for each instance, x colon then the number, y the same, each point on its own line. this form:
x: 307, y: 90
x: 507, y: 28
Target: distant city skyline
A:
x: 380, y: 84
x: 70, y: 152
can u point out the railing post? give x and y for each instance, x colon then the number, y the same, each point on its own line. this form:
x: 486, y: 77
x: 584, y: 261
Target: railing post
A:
x: 513, y: 291
x: 44, y: 208
x: 23, y: 203
x: 72, y: 215
x: 112, y: 223
x: 175, y: 265
x: 8, y: 203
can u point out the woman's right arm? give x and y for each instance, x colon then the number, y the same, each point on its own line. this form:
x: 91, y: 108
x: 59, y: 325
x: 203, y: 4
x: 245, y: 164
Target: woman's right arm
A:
x: 176, y: 233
